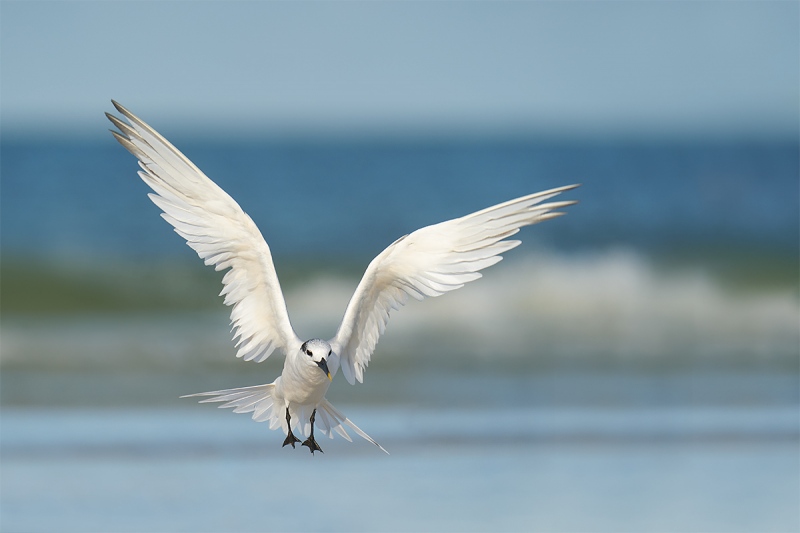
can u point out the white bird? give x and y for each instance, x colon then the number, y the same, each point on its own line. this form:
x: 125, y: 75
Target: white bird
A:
x: 426, y: 263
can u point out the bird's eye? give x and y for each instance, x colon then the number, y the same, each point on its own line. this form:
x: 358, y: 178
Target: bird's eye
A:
x: 329, y: 352
x: 308, y: 352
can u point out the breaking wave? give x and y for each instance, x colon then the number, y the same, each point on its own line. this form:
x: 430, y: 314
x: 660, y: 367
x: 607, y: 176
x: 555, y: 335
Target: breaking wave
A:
x: 608, y: 305
x: 611, y: 303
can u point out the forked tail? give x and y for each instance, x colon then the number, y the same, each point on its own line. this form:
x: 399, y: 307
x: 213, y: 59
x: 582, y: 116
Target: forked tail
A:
x: 259, y: 400
x: 330, y: 412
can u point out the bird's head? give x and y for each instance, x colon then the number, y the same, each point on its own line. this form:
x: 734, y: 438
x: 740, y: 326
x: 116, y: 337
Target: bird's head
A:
x: 318, y: 352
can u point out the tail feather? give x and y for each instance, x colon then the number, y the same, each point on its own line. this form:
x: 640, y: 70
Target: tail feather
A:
x: 334, y: 413
x: 259, y: 400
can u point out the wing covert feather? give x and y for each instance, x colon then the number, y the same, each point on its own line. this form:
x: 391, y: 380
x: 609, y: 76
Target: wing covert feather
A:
x: 220, y: 232
x: 430, y: 262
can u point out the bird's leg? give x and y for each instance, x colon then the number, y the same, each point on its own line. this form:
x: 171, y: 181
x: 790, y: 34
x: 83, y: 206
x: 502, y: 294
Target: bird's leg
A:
x: 310, y: 442
x: 290, y: 438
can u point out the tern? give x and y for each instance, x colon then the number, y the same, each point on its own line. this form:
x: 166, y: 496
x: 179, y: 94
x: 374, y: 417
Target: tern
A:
x: 428, y: 262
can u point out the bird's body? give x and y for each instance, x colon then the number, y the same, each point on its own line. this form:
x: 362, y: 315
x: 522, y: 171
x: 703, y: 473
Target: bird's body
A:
x: 301, y: 383
x: 426, y: 263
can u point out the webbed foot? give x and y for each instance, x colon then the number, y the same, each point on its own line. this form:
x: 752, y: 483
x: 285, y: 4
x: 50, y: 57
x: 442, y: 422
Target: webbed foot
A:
x: 310, y: 441
x: 290, y: 439
x: 312, y: 445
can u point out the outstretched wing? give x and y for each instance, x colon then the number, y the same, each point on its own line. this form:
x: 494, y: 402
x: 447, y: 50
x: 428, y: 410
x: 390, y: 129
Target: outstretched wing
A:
x: 429, y: 262
x: 219, y: 231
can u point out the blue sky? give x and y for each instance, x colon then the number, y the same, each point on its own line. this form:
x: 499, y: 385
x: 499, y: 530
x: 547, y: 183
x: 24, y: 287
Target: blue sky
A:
x: 566, y: 68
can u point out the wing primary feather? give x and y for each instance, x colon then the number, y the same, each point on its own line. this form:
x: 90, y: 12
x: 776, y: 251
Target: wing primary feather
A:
x: 429, y: 262
x: 219, y: 231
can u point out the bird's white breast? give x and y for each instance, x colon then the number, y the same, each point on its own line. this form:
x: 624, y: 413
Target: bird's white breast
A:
x: 302, y: 383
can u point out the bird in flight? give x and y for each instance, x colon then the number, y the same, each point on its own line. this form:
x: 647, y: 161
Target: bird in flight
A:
x: 428, y: 262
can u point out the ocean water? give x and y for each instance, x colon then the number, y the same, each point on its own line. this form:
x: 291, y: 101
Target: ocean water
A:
x: 355, y: 197
x: 631, y: 367
x: 545, y: 469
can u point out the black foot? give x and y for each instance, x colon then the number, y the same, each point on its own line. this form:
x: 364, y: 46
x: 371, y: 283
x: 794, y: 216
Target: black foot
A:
x: 290, y: 439
x: 312, y: 445
x: 310, y: 441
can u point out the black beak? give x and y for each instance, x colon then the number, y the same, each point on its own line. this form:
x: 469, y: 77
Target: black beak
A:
x: 324, y: 366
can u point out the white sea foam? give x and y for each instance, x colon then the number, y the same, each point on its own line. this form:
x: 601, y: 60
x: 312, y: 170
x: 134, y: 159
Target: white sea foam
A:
x: 613, y: 304
x: 606, y: 303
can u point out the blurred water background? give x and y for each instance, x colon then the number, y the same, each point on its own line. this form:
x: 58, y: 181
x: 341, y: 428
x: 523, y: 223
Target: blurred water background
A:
x: 632, y: 366
x: 645, y: 345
